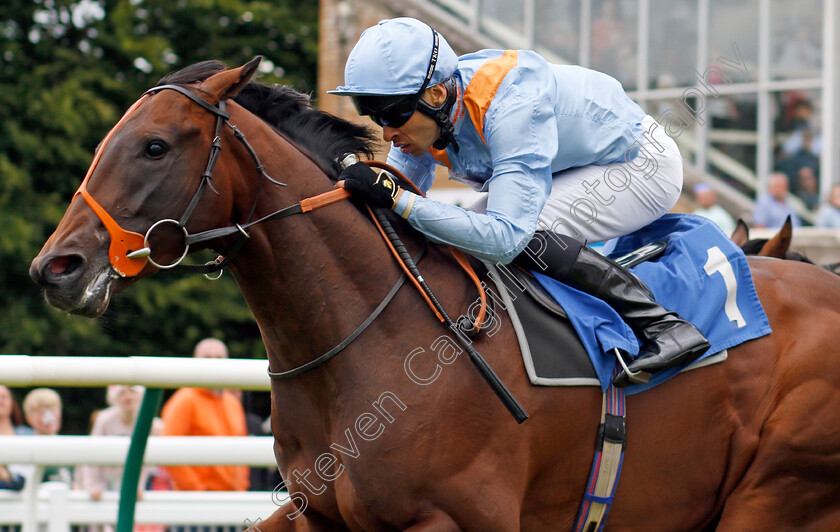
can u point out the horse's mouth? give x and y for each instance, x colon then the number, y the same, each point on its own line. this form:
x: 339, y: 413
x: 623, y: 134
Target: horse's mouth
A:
x: 91, y: 301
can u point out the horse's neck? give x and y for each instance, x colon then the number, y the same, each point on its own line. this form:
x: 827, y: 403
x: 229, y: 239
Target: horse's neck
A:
x: 312, y: 278
x: 307, y: 283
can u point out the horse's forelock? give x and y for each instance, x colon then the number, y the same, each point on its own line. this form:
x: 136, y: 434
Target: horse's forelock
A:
x: 193, y: 73
x: 752, y: 247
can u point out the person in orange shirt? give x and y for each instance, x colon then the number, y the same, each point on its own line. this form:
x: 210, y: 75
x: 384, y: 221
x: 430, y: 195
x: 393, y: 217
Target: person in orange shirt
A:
x: 200, y: 412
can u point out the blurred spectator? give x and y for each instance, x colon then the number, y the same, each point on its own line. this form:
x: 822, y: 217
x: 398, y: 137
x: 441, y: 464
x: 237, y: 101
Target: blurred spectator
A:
x: 42, y: 409
x: 801, y: 122
x: 9, y: 480
x: 116, y: 420
x: 200, y: 412
x: 707, y: 199
x: 829, y: 213
x: 11, y: 417
x: 804, y: 157
x: 772, y: 209
x: 11, y: 421
x: 808, y: 189
x: 796, y: 111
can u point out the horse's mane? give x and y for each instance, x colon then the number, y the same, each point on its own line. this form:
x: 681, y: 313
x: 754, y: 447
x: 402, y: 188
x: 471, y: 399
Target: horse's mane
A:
x: 290, y: 112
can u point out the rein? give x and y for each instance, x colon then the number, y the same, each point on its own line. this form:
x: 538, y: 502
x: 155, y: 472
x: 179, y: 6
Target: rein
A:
x: 314, y: 363
x: 129, y: 252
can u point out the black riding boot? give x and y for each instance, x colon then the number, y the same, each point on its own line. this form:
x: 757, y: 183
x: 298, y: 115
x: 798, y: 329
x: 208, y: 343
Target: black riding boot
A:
x: 670, y: 341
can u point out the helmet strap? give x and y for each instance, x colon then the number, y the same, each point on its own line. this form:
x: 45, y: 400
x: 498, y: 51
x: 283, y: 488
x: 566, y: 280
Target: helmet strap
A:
x: 440, y: 114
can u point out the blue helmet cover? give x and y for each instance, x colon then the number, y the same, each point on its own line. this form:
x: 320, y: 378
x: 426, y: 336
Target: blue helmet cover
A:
x: 393, y: 57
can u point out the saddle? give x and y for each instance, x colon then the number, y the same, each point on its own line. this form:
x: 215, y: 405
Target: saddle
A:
x: 541, y: 325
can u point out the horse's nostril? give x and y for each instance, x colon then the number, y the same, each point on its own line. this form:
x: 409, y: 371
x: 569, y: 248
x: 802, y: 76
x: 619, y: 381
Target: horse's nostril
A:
x: 61, y: 268
x: 59, y: 265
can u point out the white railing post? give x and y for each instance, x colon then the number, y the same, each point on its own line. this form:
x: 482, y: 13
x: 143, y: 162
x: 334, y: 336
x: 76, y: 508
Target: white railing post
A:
x: 58, y: 500
x: 30, y: 500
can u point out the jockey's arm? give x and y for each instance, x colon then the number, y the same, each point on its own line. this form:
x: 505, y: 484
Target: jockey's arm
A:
x: 515, y: 199
x: 419, y: 170
x: 521, y: 135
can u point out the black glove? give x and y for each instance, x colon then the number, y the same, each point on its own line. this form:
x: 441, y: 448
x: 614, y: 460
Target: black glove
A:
x: 379, y: 190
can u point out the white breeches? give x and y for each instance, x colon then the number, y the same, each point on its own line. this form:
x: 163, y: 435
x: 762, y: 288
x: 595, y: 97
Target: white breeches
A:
x: 597, y: 203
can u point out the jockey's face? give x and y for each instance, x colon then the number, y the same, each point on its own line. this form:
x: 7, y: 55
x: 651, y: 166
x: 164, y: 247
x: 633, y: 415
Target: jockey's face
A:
x: 417, y: 135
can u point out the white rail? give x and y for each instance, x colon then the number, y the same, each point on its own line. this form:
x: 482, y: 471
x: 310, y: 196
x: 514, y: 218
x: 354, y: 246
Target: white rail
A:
x: 56, y: 507
x: 161, y: 450
x: 154, y: 372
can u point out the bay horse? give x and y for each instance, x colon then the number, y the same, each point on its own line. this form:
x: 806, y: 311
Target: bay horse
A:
x: 749, y: 444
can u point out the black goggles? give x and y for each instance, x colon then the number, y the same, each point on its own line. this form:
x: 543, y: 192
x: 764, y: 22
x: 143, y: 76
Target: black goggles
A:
x: 395, y: 110
x: 391, y: 111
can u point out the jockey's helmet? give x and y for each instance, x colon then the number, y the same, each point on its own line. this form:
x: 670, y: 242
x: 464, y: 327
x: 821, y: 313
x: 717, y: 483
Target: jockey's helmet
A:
x: 392, y: 65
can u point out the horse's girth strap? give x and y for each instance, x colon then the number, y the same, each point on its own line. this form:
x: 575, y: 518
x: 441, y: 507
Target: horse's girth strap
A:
x: 606, y: 466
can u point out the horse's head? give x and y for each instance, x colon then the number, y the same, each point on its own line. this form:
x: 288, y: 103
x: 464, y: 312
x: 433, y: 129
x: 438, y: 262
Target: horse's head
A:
x: 777, y: 247
x: 147, y: 169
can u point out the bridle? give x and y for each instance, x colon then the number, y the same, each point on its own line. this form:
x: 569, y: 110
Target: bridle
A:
x: 129, y: 252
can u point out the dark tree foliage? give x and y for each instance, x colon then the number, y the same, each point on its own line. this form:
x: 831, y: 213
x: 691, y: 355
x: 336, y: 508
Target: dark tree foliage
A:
x: 68, y: 70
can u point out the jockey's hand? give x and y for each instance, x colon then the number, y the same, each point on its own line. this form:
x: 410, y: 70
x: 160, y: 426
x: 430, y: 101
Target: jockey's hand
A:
x: 379, y: 190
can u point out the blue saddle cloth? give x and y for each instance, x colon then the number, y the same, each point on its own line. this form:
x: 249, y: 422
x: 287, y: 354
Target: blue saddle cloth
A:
x: 702, y: 275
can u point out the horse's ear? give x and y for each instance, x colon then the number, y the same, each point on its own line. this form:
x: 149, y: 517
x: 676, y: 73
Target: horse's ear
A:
x: 228, y: 83
x: 741, y: 233
x: 779, y: 244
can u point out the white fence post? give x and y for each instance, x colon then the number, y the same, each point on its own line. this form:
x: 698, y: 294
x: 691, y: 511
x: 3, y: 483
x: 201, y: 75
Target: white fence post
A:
x: 30, y: 500
x: 59, y: 506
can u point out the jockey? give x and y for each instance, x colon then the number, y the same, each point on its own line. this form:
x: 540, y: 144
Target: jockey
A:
x: 540, y: 139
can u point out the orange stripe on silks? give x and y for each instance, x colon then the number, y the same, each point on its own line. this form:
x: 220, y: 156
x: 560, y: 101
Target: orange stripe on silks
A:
x: 441, y: 157
x: 459, y: 111
x: 483, y: 86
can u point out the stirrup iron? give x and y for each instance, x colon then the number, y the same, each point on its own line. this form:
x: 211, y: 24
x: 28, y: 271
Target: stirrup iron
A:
x: 637, y: 377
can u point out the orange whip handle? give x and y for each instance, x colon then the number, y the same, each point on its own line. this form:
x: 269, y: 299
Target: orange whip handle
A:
x: 322, y: 200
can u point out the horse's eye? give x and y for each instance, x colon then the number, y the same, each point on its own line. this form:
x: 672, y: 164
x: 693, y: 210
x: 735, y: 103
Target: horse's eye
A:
x: 155, y: 149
